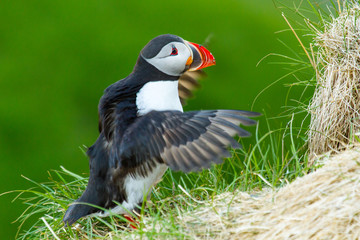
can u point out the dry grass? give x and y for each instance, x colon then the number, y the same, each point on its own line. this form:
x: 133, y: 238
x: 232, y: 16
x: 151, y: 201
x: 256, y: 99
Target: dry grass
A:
x: 335, y: 107
x: 321, y: 205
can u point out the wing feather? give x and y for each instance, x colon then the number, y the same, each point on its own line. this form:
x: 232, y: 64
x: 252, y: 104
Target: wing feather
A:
x: 187, y: 141
x: 188, y: 82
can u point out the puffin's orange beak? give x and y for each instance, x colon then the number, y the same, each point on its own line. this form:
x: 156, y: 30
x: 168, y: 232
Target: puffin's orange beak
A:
x: 201, y: 57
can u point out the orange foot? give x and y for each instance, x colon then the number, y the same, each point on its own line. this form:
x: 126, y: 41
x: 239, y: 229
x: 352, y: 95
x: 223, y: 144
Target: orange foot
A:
x: 133, y: 222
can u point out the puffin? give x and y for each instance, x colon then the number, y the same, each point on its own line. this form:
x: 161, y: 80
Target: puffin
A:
x: 143, y: 129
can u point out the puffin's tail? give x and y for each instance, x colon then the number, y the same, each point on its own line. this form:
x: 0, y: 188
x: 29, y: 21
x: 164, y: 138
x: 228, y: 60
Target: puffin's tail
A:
x: 95, y: 193
x: 84, y: 206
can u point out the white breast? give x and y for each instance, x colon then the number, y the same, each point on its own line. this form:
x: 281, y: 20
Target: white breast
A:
x: 136, y: 187
x: 159, y: 96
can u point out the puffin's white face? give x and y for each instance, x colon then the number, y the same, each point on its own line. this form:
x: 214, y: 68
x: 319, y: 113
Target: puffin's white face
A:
x: 173, y: 59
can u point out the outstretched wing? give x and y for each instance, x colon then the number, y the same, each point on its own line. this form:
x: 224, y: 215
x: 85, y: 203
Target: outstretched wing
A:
x: 188, y: 82
x: 184, y: 141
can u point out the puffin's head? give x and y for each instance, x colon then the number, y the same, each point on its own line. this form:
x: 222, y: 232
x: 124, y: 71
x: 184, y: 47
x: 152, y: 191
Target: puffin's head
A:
x: 173, y: 55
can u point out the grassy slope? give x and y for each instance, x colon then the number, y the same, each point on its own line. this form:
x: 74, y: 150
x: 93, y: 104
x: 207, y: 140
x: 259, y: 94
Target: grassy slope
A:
x: 264, y: 164
x: 303, y: 209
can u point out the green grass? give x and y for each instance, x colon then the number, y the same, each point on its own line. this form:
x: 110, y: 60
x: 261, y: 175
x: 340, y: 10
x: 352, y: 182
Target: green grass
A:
x: 271, y: 162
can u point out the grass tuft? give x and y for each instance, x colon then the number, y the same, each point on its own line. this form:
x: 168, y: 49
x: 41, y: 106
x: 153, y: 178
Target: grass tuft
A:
x: 335, y: 107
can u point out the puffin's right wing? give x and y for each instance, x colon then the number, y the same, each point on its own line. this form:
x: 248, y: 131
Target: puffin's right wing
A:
x: 186, y: 141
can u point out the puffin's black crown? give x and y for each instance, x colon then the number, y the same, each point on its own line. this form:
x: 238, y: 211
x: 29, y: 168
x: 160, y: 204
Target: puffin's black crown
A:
x: 156, y: 44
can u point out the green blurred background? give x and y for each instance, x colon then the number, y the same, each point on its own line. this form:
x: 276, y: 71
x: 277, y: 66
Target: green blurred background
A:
x: 57, y: 57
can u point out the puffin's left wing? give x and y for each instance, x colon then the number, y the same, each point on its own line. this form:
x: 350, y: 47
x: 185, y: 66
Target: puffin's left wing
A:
x: 184, y: 141
x: 188, y: 82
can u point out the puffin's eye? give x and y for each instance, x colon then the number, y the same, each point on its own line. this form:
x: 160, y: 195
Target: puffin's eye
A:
x: 174, y: 51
